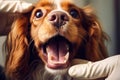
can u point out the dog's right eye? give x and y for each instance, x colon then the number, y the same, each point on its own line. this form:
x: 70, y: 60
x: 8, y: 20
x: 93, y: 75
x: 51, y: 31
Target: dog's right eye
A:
x: 38, y: 14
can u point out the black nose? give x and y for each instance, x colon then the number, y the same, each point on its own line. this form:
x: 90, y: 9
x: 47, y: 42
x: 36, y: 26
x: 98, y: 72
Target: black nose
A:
x: 58, y: 18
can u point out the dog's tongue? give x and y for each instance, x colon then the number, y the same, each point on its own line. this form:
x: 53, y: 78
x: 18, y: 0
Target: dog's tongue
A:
x: 57, y: 51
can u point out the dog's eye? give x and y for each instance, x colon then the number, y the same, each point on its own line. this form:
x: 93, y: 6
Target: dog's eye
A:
x: 38, y: 14
x: 74, y: 13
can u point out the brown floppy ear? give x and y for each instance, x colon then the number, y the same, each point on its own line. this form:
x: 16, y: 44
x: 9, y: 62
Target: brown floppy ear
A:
x: 95, y: 46
x: 17, y: 47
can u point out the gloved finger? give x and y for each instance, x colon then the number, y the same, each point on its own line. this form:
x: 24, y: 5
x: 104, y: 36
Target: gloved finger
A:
x: 15, y: 6
x: 25, y: 7
x: 93, y: 70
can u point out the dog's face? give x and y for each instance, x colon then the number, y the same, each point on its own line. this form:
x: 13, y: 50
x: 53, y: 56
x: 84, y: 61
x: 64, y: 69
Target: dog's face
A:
x: 57, y: 31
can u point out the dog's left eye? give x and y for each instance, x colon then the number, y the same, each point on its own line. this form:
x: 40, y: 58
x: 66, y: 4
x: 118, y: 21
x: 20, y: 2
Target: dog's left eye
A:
x: 74, y: 13
x: 38, y: 14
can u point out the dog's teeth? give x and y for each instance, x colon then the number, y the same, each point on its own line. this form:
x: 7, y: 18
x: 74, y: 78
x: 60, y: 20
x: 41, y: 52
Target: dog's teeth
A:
x: 66, y: 57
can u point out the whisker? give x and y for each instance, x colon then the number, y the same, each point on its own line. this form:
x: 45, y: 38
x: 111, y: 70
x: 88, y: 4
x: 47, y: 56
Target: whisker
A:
x: 82, y: 37
x: 31, y: 41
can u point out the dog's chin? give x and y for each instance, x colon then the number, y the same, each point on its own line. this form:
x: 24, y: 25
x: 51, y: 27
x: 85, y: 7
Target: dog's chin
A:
x: 58, y: 67
x: 57, y: 71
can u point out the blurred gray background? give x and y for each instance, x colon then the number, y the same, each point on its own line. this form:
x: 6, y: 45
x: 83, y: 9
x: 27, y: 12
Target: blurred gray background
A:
x: 108, y: 12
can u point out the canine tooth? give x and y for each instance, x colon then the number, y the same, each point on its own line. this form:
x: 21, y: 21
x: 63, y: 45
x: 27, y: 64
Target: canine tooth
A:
x: 66, y: 57
x: 50, y: 57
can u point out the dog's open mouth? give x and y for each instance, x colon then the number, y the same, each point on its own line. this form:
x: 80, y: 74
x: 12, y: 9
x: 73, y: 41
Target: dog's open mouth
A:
x: 57, y: 51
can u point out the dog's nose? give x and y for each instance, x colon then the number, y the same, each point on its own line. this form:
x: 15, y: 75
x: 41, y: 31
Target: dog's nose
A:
x: 58, y: 18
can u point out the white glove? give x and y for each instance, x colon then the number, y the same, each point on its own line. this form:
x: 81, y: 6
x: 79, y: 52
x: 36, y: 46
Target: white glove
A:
x: 15, y: 6
x: 109, y: 68
x: 8, y: 10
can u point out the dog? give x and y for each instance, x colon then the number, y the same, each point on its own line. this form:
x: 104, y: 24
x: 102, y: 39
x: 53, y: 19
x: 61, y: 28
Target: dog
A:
x: 43, y: 42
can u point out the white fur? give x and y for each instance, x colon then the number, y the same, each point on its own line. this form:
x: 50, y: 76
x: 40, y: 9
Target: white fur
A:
x: 56, y: 71
x: 58, y: 6
x: 40, y: 73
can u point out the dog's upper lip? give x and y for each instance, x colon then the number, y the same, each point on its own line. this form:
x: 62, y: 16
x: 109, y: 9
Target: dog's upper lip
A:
x: 57, y: 50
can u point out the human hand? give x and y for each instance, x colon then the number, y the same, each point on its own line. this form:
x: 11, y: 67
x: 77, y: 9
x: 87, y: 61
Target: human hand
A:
x: 15, y: 6
x: 109, y: 68
x: 8, y: 10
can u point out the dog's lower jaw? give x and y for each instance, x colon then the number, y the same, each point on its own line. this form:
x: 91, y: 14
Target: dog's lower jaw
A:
x: 57, y: 71
x: 57, y: 74
x: 45, y: 73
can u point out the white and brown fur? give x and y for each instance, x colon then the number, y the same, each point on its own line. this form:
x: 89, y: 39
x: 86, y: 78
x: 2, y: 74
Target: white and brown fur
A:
x: 26, y: 59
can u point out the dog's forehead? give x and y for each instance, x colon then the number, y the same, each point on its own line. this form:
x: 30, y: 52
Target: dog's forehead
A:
x: 57, y: 4
x: 79, y: 3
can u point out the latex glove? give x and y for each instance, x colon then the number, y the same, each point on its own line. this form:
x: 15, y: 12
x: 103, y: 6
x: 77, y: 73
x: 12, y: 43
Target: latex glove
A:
x: 8, y: 10
x: 15, y: 6
x: 109, y: 68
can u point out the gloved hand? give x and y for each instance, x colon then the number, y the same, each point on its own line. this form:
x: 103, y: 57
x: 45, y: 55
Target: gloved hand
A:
x: 15, y: 6
x: 109, y: 68
x: 8, y: 10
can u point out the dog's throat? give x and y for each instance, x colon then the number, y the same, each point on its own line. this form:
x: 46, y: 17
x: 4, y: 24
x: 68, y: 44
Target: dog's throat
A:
x: 57, y: 50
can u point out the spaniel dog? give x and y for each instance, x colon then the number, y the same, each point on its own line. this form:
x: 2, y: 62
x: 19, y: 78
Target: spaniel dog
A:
x: 43, y: 42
